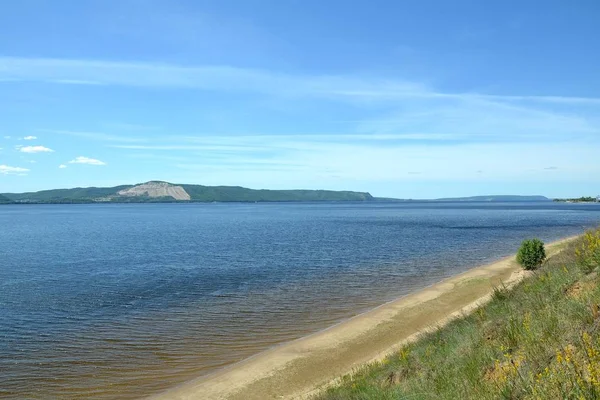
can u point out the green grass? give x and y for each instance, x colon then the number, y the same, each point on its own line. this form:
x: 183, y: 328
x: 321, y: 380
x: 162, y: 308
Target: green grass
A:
x: 539, y: 340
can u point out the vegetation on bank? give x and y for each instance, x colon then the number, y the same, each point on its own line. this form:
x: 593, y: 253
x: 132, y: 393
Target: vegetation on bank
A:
x: 497, y: 198
x: 583, y: 199
x: 4, y: 200
x: 539, y: 340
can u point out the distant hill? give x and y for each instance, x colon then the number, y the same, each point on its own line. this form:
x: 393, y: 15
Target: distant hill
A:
x: 160, y: 192
x: 497, y: 198
x: 156, y: 191
x: 76, y: 195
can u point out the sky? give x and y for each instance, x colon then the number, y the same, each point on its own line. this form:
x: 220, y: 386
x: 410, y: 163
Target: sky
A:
x: 407, y: 99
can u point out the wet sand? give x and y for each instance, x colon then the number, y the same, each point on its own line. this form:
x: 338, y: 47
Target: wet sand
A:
x: 301, y: 368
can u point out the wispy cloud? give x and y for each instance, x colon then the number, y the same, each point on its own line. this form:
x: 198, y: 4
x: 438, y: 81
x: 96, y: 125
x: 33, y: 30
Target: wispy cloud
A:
x: 8, y: 170
x: 34, y: 149
x: 379, y: 129
x: 223, y: 78
x: 30, y: 138
x: 327, y: 137
x: 100, y: 136
x: 373, y: 158
x: 75, y: 82
x: 409, y: 110
x: 544, y: 99
x: 389, y: 162
x: 412, y: 109
x: 189, y: 147
x: 131, y: 127
x: 86, y: 160
x: 483, y: 120
x: 62, y: 166
x: 158, y: 156
x: 227, y: 78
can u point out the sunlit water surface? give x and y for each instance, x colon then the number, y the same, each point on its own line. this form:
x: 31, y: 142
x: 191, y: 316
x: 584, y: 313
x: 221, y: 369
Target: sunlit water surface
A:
x: 121, y: 301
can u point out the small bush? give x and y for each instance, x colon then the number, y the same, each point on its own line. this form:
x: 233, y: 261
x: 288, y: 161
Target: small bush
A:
x: 531, y: 254
x: 588, y: 253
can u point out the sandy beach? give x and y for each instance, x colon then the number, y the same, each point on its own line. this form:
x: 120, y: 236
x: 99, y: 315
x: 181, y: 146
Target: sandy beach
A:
x: 300, y: 368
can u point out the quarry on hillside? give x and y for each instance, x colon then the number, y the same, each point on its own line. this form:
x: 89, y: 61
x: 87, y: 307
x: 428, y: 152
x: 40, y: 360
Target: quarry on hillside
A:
x: 156, y: 189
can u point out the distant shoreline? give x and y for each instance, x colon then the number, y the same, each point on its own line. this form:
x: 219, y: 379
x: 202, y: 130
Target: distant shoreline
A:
x: 165, y: 192
x: 300, y: 368
x: 375, y: 201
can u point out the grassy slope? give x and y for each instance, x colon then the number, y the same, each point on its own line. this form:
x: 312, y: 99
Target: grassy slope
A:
x: 539, y: 340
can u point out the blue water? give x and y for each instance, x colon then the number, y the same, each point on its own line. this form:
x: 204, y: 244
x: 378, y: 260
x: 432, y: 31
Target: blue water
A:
x: 119, y: 301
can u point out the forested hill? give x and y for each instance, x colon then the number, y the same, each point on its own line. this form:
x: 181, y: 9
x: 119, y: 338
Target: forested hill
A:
x: 155, y: 191
x: 4, y: 200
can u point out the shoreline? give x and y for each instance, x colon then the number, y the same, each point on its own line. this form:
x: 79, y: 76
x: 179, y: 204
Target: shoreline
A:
x: 301, y: 368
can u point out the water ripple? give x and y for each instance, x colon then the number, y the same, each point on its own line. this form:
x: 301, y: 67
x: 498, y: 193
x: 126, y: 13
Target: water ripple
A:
x: 120, y: 301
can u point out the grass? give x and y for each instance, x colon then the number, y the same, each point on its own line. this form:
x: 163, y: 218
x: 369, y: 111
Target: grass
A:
x: 538, y: 340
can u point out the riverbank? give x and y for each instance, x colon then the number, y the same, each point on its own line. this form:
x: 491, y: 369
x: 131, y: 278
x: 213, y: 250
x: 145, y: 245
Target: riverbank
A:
x: 300, y: 368
x: 538, y: 340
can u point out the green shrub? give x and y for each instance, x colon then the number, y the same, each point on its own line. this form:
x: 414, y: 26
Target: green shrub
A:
x: 531, y: 254
x: 588, y: 252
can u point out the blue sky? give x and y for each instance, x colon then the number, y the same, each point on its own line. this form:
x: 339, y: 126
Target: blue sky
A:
x: 412, y: 99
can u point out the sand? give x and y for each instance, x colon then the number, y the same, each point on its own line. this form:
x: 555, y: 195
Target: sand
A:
x: 299, y: 369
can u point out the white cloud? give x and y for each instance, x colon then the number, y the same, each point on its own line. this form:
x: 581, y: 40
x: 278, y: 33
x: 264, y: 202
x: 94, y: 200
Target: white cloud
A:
x: 8, y: 170
x: 62, y: 166
x: 86, y: 160
x: 34, y: 149
x: 6, y: 137
x: 30, y: 138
